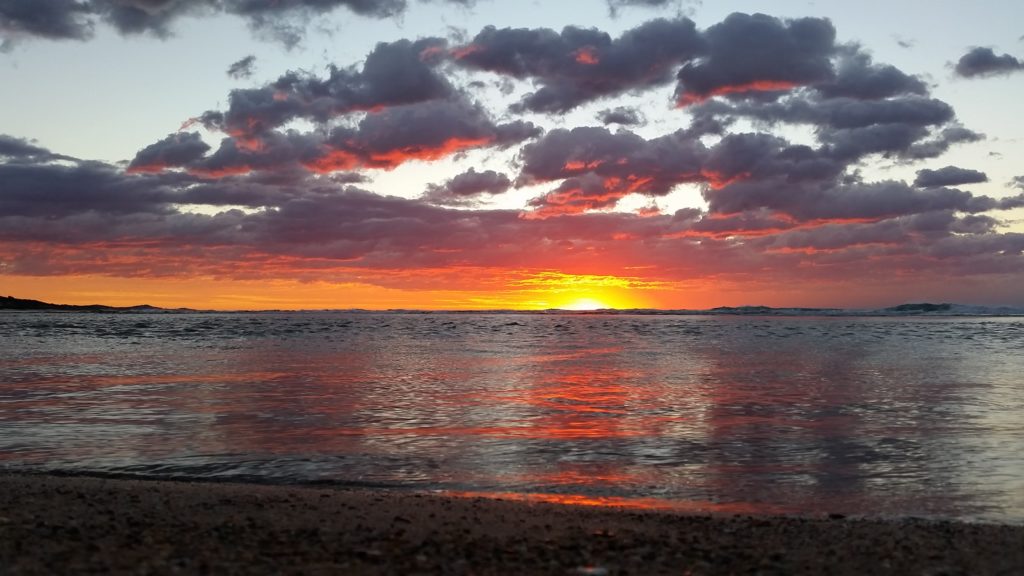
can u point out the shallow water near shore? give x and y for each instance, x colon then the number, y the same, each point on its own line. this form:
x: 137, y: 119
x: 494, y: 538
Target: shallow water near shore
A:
x: 874, y: 416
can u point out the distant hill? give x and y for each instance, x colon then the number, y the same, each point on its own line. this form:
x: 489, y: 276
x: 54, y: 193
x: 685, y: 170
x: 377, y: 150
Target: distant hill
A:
x: 12, y: 303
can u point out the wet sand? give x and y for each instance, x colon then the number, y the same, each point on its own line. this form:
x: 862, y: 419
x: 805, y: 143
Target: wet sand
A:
x: 62, y: 525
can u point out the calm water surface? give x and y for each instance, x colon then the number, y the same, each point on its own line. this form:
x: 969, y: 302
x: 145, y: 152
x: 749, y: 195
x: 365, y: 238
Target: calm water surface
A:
x: 798, y: 415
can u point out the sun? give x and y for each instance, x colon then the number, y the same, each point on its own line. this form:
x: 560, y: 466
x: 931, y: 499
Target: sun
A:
x: 585, y: 304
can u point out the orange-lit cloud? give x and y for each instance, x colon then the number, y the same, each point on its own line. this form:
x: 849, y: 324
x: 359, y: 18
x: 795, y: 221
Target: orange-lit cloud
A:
x: 587, y: 55
x: 754, y: 86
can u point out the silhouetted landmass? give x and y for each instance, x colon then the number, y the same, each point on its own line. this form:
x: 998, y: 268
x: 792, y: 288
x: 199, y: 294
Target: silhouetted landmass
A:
x: 743, y: 310
x: 912, y: 309
x: 12, y: 303
x: 922, y: 307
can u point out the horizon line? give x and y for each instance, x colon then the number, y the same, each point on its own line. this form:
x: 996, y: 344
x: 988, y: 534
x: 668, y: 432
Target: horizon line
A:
x: 752, y: 309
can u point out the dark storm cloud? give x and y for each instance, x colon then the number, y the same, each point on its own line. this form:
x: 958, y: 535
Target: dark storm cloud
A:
x: 622, y: 115
x: 464, y: 189
x: 757, y: 52
x: 395, y: 73
x: 243, y: 68
x: 578, y: 65
x: 982, y: 62
x: 174, y: 151
x: 948, y: 176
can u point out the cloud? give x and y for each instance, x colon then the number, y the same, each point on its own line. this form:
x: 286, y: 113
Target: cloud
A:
x: 624, y: 162
x: 758, y: 156
x: 466, y: 188
x: 422, y: 131
x: 17, y: 149
x: 845, y: 201
x: 948, y: 176
x: 621, y: 115
x: 174, y: 151
x: 909, y: 126
x: 642, y: 3
x: 579, y: 65
x: 243, y: 68
x: 753, y: 53
x: 858, y: 77
x: 285, y: 21
x: 86, y: 217
x: 51, y: 19
x: 576, y: 195
x: 276, y: 197
x: 55, y: 191
x: 615, y: 5
x: 983, y: 62
x: 741, y: 171
x: 396, y: 73
x: 149, y: 16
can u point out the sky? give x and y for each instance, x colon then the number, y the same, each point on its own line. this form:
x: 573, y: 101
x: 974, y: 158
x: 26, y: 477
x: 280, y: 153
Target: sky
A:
x: 460, y: 154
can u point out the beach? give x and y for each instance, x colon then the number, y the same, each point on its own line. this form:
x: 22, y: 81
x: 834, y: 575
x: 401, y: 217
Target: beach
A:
x: 75, y: 524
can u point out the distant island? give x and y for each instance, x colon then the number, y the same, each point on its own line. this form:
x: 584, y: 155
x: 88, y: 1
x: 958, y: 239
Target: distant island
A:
x: 12, y: 303
x: 912, y: 309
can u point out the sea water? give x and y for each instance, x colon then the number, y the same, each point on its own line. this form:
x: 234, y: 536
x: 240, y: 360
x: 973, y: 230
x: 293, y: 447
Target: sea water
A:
x: 872, y: 416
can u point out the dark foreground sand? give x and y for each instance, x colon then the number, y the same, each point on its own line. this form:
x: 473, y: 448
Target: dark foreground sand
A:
x: 79, y: 525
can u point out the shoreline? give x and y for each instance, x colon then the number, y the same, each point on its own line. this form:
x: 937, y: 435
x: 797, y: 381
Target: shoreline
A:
x: 73, y: 524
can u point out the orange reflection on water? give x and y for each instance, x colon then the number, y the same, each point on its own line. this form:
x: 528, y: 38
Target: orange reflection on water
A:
x: 575, y: 476
x: 645, y: 503
x: 586, y: 395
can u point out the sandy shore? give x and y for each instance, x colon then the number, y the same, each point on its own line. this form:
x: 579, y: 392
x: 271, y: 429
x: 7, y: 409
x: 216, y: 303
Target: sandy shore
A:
x: 78, y: 525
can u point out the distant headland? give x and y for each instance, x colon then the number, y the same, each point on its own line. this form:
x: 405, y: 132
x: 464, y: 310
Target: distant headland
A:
x: 12, y: 303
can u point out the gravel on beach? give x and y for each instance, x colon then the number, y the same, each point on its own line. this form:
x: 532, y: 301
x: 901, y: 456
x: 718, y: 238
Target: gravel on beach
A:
x: 75, y: 525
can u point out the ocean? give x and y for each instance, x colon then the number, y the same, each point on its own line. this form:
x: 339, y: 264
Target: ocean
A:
x: 888, y: 417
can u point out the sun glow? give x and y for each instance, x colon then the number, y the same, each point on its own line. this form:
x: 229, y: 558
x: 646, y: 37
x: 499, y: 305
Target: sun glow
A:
x: 585, y: 304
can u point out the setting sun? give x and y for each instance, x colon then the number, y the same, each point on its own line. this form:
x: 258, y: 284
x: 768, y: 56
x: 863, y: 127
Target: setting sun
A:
x: 586, y: 304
